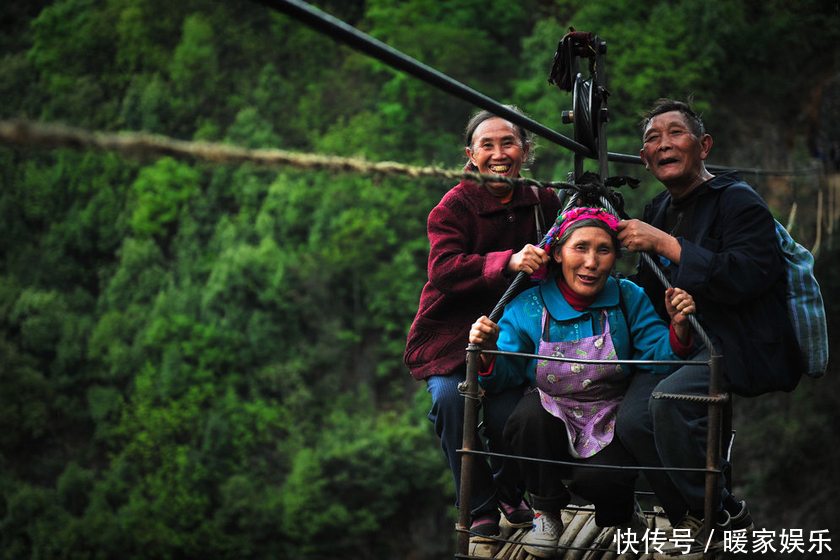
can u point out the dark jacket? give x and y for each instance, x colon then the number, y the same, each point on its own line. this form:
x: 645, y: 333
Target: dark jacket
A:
x: 472, y: 237
x: 732, y: 264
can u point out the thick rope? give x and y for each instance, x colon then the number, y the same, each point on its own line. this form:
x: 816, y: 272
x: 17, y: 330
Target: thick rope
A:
x: 141, y: 145
x: 144, y: 146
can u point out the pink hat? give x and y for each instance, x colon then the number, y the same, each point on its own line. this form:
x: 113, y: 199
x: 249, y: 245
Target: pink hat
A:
x: 565, y: 220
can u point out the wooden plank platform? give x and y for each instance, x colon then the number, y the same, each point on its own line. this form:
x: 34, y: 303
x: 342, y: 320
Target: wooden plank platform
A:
x: 581, y: 539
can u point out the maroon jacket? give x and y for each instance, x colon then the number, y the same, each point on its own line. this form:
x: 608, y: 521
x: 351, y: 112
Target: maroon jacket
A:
x: 472, y: 237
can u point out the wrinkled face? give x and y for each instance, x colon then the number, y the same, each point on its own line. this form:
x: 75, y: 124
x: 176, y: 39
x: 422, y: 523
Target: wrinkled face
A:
x: 497, y: 149
x: 672, y: 153
x: 586, y: 260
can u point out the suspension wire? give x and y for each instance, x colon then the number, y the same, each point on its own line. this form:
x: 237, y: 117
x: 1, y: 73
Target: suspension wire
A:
x: 28, y: 133
x: 340, y: 31
x: 692, y: 319
x: 496, y: 314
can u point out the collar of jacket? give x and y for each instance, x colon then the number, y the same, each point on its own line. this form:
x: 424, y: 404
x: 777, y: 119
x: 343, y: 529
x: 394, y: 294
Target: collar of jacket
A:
x: 719, y: 181
x: 486, y: 203
x: 559, y: 308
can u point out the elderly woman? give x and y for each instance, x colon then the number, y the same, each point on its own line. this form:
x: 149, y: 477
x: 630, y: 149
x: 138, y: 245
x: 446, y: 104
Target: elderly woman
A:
x: 578, y: 310
x: 481, y: 236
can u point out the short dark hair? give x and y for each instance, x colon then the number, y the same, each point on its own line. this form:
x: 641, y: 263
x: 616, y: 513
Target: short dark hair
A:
x: 666, y: 105
x: 479, y: 117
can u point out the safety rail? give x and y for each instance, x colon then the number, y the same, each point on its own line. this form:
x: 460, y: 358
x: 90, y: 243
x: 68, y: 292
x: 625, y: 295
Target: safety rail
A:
x: 471, y: 391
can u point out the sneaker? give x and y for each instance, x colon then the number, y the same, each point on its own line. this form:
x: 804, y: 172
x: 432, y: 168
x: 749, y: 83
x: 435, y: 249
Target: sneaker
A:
x: 485, y: 527
x: 742, y: 521
x: 680, y: 538
x: 630, y: 535
x: 544, y: 535
x: 517, y: 517
x: 638, y: 522
x: 723, y: 522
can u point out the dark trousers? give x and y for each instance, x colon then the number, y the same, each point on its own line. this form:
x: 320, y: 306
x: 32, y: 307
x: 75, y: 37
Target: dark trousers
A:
x: 670, y: 433
x: 533, y: 432
x: 492, y: 480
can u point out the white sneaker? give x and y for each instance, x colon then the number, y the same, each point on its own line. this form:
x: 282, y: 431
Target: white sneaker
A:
x: 682, y: 538
x: 544, y: 535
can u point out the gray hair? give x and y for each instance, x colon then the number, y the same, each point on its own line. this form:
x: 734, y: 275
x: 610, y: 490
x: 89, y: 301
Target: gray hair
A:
x: 526, y: 136
x: 666, y: 105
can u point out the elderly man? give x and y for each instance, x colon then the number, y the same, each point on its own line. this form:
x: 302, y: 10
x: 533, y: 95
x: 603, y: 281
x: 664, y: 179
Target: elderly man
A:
x: 715, y: 238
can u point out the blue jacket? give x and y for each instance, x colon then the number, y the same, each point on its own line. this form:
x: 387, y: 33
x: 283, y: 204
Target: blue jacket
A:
x: 731, y: 263
x: 521, y: 327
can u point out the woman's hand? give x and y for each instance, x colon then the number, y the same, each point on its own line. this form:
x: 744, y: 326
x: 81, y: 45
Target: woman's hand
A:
x: 680, y: 305
x: 528, y: 260
x: 485, y: 333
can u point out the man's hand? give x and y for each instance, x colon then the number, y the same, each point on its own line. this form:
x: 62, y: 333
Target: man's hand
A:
x: 638, y: 236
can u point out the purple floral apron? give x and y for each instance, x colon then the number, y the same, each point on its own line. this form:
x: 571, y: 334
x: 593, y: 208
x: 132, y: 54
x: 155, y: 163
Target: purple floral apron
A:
x: 584, y: 396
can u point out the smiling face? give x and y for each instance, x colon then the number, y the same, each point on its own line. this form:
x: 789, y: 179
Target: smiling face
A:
x: 674, y: 154
x: 497, y: 149
x: 586, y: 260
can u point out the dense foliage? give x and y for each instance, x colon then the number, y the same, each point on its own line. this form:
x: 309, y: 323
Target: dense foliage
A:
x: 204, y: 361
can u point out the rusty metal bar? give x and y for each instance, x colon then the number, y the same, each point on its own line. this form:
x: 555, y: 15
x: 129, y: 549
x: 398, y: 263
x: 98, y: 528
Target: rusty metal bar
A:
x: 471, y: 394
x: 701, y: 470
x: 713, y: 453
x: 701, y: 399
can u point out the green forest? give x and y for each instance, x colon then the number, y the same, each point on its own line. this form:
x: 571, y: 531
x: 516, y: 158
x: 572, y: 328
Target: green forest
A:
x: 205, y: 361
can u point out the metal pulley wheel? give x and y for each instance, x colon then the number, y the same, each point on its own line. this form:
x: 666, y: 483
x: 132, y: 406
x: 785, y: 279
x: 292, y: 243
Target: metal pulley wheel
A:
x: 586, y: 107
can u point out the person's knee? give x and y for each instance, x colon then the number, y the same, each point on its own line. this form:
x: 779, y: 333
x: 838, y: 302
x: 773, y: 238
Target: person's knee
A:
x: 448, y: 404
x: 630, y: 426
x: 662, y: 411
x: 633, y: 419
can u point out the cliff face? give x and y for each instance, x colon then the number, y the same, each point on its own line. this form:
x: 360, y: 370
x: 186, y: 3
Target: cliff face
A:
x: 758, y: 130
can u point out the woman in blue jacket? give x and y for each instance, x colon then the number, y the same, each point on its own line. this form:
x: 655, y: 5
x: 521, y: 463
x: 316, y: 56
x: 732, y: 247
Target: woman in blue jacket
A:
x: 578, y: 310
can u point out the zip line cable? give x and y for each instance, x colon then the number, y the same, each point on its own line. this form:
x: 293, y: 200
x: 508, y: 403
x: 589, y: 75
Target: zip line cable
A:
x: 340, y: 31
x: 142, y: 145
x: 521, y: 277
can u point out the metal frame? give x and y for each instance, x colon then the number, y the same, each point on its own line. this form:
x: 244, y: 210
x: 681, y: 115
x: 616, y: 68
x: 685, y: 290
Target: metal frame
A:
x: 342, y: 32
x: 471, y: 391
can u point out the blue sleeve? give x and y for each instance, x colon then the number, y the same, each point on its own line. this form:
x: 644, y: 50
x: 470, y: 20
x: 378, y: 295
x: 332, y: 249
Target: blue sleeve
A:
x: 650, y: 334
x: 519, y: 331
